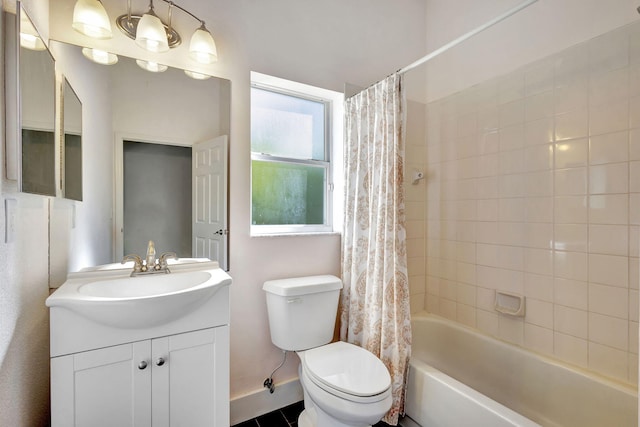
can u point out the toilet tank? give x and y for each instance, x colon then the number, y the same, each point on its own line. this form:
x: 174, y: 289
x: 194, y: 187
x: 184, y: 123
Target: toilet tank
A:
x: 302, y: 310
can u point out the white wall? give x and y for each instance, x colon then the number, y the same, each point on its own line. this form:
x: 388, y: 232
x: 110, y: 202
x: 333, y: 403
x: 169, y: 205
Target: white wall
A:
x: 540, y: 30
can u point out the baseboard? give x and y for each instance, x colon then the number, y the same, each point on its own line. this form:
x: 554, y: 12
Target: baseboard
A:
x: 261, y: 402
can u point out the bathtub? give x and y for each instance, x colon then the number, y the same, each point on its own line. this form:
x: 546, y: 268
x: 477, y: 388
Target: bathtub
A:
x: 459, y: 377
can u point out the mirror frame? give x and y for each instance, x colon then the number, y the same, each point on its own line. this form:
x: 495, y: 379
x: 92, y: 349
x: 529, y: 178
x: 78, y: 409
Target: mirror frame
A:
x: 69, y: 93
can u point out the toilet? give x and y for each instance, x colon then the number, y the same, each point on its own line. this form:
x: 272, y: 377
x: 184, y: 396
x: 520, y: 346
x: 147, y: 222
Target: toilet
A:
x: 343, y: 384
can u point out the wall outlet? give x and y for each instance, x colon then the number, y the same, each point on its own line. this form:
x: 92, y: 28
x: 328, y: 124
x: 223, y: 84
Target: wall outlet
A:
x: 10, y: 209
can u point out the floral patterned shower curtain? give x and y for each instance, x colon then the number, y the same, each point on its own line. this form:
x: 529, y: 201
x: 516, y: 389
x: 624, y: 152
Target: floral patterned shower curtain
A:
x: 374, y: 310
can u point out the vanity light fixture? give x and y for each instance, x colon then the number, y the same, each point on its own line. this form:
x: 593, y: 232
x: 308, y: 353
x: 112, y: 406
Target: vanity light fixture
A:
x: 100, y: 56
x: 29, y: 37
x: 90, y: 18
x: 148, y: 30
x: 154, y: 67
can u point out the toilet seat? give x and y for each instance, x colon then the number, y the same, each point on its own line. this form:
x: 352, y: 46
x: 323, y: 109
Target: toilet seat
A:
x: 347, y: 371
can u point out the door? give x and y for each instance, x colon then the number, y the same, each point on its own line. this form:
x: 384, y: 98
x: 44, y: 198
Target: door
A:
x: 209, y: 195
x: 106, y: 387
x: 191, y: 379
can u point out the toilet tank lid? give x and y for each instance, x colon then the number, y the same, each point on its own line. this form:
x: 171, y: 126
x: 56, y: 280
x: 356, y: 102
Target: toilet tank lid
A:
x: 302, y: 285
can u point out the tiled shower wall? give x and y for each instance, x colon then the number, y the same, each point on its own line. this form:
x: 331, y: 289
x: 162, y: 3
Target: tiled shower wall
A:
x: 533, y: 188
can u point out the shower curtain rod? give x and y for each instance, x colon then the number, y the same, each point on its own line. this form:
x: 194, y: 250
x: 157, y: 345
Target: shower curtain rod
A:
x: 464, y: 37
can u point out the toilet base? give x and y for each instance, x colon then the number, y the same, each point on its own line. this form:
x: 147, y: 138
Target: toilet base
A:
x: 304, y: 420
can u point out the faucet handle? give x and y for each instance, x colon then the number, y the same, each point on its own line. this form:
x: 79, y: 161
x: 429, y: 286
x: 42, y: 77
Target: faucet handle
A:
x: 137, y: 261
x: 164, y: 257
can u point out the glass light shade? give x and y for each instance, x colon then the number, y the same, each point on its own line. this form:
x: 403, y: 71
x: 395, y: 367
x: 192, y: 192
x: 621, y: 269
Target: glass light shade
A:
x: 154, y: 67
x: 202, y: 48
x: 99, y: 56
x: 29, y: 41
x: 151, y: 34
x: 91, y: 19
x: 197, y: 76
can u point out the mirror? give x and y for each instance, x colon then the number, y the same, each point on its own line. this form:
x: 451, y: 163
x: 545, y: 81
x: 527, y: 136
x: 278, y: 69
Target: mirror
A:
x: 154, y: 120
x: 72, y: 143
x: 37, y: 114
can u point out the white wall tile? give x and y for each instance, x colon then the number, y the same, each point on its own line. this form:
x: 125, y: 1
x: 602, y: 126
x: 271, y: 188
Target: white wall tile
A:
x: 571, y: 321
x: 466, y: 294
x: 539, y: 313
x: 539, y: 261
x: 571, y: 237
x: 570, y: 182
x: 609, y: 209
x: 539, y: 235
x: 511, y: 329
x: 572, y: 125
x: 609, y: 331
x: 466, y: 315
x: 570, y: 210
x: 571, y: 349
x: 539, y: 106
x: 609, y: 87
x: 609, y: 148
x: 609, y: 270
x: 609, y: 239
x: 609, y: 361
x: 609, y: 300
x: 538, y: 157
x: 634, y: 272
x: 511, y: 137
x: 511, y: 113
x: 487, y: 322
x: 539, y: 184
x: 539, y: 209
x: 609, y: 178
x: 634, y: 177
x: 634, y: 144
x: 538, y: 286
x: 571, y: 293
x: 608, y: 118
x: 539, y: 132
x: 571, y: 265
x: 573, y: 95
x: 572, y: 153
x: 538, y: 339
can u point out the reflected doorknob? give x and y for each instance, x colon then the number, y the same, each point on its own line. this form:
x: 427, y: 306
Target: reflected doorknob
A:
x: 222, y: 232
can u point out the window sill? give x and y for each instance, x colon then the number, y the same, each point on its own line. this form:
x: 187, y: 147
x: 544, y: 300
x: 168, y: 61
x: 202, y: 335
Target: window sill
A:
x: 309, y: 234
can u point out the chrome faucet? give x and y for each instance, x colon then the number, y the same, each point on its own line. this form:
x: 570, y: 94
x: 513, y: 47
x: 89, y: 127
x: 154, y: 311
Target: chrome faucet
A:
x: 150, y: 265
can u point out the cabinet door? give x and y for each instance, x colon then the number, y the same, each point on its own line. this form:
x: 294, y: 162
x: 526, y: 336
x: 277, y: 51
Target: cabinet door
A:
x: 104, y: 387
x: 191, y: 383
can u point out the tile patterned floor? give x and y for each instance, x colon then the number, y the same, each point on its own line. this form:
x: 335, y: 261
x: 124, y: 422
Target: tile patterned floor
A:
x: 285, y: 417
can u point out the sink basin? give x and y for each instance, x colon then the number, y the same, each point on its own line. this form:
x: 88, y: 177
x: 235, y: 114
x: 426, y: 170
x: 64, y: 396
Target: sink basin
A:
x: 144, y: 286
x: 111, y: 297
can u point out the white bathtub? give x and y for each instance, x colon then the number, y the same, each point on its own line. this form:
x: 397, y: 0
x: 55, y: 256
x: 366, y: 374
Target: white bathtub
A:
x: 459, y: 377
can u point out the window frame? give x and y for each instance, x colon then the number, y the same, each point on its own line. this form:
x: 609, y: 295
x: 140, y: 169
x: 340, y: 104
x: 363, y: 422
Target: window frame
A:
x: 285, y: 87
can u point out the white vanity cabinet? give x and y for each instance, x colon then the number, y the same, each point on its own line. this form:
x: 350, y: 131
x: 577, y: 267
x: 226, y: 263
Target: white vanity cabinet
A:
x: 169, y: 381
x: 158, y: 360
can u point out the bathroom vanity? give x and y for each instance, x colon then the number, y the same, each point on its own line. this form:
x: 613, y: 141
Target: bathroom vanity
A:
x: 150, y: 350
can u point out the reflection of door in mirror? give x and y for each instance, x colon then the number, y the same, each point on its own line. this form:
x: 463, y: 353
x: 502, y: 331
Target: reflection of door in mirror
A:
x: 176, y: 196
x: 37, y: 97
x: 72, y: 125
x: 157, y: 198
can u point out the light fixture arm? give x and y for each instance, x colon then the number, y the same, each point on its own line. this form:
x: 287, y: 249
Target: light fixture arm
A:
x: 172, y: 4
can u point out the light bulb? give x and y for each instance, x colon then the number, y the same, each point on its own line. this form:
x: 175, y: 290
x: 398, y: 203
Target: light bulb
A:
x: 91, y: 19
x: 100, y: 56
x: 202, y: 48
x: 151, y: 34
x: 197, y: 76
x: 154, y: 67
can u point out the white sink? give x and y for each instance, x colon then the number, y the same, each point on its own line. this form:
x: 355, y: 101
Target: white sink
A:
x: 111, y: 297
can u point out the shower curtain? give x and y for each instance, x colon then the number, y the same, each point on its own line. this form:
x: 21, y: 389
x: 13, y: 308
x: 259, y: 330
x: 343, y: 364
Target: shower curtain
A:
x: 374, y: 311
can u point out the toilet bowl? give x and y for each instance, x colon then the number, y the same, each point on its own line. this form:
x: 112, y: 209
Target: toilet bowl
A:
x: 343, y: 384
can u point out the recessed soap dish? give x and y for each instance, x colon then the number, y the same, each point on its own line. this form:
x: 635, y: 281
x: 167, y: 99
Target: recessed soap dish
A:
x: 511, y: 304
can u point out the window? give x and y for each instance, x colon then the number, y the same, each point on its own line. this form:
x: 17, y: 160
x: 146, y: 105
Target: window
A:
x: 291, y: 162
